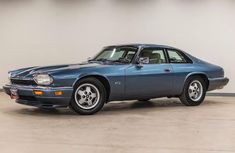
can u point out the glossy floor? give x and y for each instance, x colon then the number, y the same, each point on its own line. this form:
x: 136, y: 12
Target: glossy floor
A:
x: 162, y: 125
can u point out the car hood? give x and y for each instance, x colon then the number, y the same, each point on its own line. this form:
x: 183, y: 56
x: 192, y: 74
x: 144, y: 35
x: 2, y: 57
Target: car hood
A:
x: 31, y: 71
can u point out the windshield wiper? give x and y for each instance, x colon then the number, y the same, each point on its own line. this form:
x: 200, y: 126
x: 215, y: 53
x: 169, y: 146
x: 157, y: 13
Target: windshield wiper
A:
x: 122, y: 60
x: 107, y: 60
x: 100, y: 60
x: 104, y: 60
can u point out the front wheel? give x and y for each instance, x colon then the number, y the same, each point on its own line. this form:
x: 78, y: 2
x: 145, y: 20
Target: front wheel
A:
x: 89, y: 96
x: 194, y: 91
x: 143, y: 99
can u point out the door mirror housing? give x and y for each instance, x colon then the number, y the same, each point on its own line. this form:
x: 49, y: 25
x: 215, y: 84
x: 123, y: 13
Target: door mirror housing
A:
x: 142, y: 60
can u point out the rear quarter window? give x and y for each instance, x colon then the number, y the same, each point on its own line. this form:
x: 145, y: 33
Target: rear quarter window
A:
x: 177, y: 57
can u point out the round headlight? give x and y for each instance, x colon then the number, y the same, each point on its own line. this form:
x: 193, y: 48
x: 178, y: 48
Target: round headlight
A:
x: 43, y: 79
x: 9, y: 75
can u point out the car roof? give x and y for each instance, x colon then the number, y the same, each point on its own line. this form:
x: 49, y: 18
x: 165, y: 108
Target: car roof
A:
x: 142, y: 45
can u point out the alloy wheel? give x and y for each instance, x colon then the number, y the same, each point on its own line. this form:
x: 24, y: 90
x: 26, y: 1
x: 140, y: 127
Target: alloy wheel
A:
x: 195, y: 90
x: 87, y: 96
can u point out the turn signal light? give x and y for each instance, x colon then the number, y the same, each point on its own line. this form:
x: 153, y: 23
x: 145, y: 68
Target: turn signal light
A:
x: 58, y: 93
x: 38, y: 92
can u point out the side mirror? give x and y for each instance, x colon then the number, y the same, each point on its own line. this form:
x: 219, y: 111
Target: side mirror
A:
x: 142, y: 60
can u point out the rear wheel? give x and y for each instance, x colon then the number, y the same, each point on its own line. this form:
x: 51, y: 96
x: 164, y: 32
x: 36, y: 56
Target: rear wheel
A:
x: 194, y: 91
x: 89, y: 96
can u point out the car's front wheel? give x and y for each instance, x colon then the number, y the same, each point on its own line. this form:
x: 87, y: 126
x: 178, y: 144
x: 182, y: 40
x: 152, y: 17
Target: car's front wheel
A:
x: 143, y: 99
x: 194, y: 91
x: 89, y: 96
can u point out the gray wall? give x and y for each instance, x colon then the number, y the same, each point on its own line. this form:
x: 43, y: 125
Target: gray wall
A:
x: 45, y: 32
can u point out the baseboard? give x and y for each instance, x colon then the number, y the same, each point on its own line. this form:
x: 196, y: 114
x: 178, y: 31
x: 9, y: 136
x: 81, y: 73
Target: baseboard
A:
x: 221, y: 94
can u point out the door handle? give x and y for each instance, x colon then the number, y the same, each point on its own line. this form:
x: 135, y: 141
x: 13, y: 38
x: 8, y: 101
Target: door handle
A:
x: 167, y: 70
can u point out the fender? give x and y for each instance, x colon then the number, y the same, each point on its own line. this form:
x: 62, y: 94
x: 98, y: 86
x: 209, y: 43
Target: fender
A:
x: 191, y: 74
x: 89, y: 74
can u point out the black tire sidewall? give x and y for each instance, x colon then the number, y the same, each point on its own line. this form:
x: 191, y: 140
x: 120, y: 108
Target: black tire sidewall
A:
x: 186, y: 94
x: 143, y: 99
x: 99, y: 105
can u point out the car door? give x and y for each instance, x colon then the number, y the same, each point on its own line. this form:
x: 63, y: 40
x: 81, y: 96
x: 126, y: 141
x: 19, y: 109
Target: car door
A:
x: 153, y: 79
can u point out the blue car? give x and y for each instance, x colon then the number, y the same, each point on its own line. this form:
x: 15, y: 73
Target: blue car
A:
x: 119, y: 72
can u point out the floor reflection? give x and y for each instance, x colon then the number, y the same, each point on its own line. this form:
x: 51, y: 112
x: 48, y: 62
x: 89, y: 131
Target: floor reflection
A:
x: 120, y: 107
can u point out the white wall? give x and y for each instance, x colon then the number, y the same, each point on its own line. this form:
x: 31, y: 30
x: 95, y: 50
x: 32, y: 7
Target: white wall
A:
x: 44, y: 32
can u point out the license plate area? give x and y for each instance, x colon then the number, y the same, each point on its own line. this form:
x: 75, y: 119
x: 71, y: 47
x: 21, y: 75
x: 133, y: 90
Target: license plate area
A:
x: 14, y: 93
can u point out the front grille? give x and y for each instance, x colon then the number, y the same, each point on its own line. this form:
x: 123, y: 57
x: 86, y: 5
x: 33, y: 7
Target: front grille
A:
x: 23, y: 82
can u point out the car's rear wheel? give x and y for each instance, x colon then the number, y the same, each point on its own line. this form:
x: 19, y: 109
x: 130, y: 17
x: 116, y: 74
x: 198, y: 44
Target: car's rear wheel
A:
x: 89, y: 96
x: 194, y: 91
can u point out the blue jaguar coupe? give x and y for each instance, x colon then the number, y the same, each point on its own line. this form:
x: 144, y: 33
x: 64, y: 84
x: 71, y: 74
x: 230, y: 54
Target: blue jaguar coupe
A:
x: 119, y: 72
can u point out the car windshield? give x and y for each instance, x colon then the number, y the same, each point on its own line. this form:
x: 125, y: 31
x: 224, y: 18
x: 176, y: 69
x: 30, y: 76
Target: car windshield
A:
x: 116, y: 54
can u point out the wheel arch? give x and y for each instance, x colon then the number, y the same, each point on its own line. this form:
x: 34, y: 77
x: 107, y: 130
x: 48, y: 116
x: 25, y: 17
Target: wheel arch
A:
x: 99, y: 77
x: 200, y: 74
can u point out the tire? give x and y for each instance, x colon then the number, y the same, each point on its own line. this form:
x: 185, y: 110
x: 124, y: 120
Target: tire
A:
x: 194, y: 91
x: 143, y: 99
x: 89, y: 96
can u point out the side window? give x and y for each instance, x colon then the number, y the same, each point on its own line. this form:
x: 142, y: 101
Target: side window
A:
x: 156, y: 56
x: 176, y: 57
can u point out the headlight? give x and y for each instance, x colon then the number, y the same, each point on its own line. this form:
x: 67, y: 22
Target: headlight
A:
x: 9, y: 75
x: 43, y: 79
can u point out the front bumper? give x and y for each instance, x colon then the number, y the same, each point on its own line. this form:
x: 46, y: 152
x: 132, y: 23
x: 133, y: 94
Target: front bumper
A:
x: 217, y: 83
x: 47, y: 100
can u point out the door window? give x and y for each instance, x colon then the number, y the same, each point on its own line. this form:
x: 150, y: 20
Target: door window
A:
x: 156, y: 56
